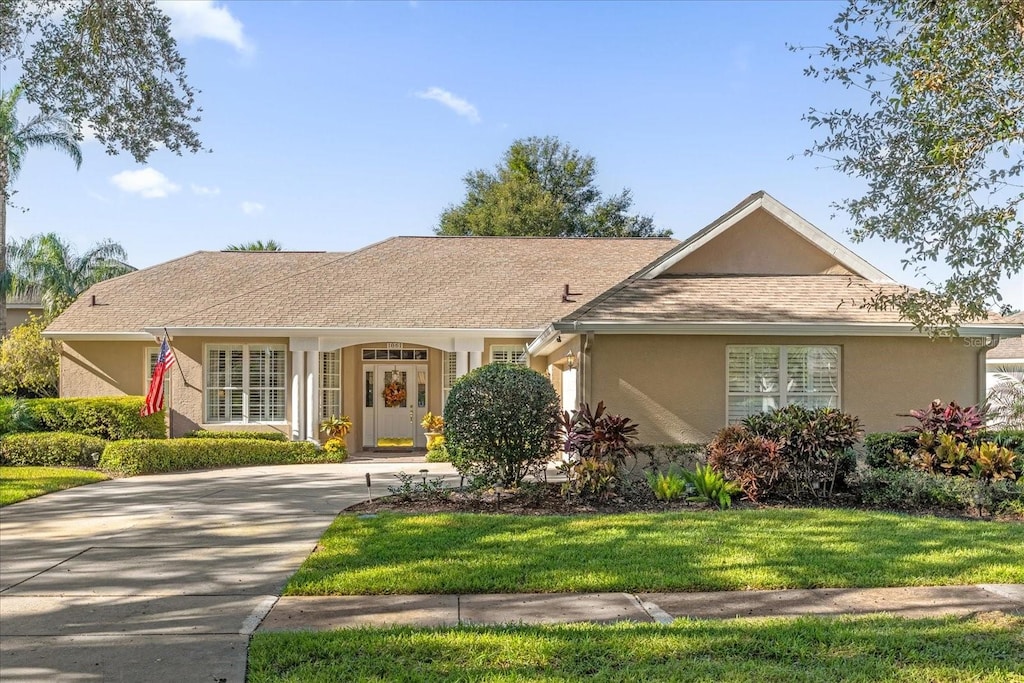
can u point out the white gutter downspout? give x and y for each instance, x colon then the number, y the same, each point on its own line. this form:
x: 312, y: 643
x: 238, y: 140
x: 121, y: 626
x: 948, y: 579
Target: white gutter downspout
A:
x: 586, y: 374
x: 992, y: 343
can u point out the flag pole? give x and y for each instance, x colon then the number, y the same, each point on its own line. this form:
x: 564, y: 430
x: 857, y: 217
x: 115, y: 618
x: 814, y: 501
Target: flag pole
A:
x: 168, y: 338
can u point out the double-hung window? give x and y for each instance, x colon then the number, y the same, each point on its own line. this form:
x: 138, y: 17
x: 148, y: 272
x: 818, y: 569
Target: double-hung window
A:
x: 330, y: 384
x: 245, y: 383
x: 762, y: 378
x: 511, y: 354
x: 448, y: 372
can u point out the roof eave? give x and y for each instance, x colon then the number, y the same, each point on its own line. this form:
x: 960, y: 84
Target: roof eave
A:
x: 747, y: 328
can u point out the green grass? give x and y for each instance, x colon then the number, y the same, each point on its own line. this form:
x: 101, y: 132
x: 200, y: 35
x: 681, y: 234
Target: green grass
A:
x: 20, y: 483
x: 735, y: 550
x: 865, y: 648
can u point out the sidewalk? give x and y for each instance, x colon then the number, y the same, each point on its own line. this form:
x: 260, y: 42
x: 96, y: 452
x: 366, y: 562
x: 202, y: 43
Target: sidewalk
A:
x: 331, y: 612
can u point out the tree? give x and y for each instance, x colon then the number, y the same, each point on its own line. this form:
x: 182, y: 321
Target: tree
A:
x: 29, y: 362
x: 938, y: 143
x: 547, y: 188
x: 60, y: 273
x: 258, y: 245
x: 42, y: 130
x: 113, y: 65
x: 110, y: 65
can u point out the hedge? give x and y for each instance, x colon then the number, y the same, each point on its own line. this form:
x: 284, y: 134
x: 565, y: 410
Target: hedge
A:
x: 53, y: 449
x: 911, y: 489
x: 880, y: 445
x: 151, y: 456
x: 207, y: 434
x: 108, y: 417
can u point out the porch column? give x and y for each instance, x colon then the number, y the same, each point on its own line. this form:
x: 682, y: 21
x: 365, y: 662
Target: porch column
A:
x: 312, y: 394
x: 475, y: 359
x: 461, y: 363
x: 298, y: 399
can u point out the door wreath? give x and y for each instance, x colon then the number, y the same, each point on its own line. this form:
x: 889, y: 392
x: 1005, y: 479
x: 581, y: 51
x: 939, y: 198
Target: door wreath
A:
x: 394, y: 394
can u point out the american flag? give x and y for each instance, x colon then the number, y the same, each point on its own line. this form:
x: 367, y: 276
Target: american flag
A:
x: 155, y: 397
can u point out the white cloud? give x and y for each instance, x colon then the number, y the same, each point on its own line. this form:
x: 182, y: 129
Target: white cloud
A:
x: 204, y: 191
x: 148, y: 182
x: 192, y: 19
x: 252, y: 208
x: 458, y: 105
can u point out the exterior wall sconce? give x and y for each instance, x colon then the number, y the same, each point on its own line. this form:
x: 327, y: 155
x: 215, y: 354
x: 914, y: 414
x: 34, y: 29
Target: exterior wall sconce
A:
x: 570, y: 361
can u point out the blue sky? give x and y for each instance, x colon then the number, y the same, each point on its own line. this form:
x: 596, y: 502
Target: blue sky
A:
x: 332, y: 125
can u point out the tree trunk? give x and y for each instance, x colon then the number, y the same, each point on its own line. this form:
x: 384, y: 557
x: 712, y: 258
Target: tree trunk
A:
x: 4, y: 178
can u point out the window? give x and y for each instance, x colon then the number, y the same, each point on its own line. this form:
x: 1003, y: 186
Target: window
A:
x: 511, y: 354
x: 245, y: 383
x: 448, y: 374
x: 762, y: 378
x: 330, y: 384
x: 152, y: 353
x: 394, y: 354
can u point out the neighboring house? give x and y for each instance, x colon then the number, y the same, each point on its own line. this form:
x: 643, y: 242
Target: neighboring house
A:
x: 20, y: 306
x: 759, y: 309
x: 1006, y: 361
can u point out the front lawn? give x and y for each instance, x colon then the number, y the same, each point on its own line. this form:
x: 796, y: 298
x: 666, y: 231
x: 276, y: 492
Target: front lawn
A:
x: 864, y: 648
x: 20, y: 483
x: 686, y: 551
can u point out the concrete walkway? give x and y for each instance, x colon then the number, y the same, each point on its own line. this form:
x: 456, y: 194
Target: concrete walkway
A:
x: 162, y: 578
x: 321, y: 613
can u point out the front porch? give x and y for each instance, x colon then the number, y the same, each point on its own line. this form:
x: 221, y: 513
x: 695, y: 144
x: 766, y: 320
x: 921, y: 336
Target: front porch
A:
x: 386, y: 385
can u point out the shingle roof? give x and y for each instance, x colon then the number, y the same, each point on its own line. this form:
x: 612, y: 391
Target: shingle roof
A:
x: 740, y: 298
x: 402, y: 282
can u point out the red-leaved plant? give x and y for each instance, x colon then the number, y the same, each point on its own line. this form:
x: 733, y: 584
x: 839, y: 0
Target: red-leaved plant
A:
x: 961, y: 422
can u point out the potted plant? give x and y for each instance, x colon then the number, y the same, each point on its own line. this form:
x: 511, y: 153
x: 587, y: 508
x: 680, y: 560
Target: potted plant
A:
x: 433, y: 428
x: 336, y: 428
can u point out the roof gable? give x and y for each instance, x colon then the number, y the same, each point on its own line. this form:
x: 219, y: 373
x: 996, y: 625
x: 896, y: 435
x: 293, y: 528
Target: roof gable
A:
x: 761, y: 236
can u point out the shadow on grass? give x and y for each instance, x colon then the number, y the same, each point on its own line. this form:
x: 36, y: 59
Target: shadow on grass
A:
x: 984, y: 648
x: 763, y: 549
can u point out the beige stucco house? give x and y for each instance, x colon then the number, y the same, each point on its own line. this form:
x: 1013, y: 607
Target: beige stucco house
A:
x: 757, y: 310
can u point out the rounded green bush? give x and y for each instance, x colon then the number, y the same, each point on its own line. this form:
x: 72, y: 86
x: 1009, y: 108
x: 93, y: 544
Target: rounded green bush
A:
x: 55, y: 449
x: 501, y: 423
x: 108, y: 417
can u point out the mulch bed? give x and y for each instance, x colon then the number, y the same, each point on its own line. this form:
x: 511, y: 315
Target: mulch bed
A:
x: 545, y: 498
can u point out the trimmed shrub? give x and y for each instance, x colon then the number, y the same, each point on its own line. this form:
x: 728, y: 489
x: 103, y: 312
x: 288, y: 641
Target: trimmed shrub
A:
x: 108, y: 417
x: 439, y: 453
x: 909, y: 489
x: 15, y: 416
x: 501, y: 423
x: 50, y: 449
x: 151, y: 456
x: 661, y: 457
x: 880, y: 446
x: 208, y: 434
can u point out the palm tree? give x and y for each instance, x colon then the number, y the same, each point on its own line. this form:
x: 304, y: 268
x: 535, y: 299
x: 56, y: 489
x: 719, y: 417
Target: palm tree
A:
x: 15, y: 139
x: 1006, y: 399
x: 59, y: 272
x: 258, y: 245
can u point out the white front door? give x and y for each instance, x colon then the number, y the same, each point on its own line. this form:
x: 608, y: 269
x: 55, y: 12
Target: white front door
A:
x: 399, y: 405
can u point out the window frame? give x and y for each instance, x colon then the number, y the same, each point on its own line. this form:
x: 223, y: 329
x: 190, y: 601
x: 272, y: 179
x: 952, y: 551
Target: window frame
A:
x: 149, y: 356
x: 327, y: 404
x: 783, y: 393
x: 523, y: 358
x: 247, y: 387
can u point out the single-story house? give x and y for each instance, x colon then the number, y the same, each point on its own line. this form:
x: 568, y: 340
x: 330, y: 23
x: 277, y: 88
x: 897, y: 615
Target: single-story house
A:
x: 759, y: 309
x: 22, y: 305
x: 1005, y: 362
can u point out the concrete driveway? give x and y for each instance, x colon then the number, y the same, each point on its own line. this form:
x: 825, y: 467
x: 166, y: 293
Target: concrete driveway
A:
x: 162, y: 578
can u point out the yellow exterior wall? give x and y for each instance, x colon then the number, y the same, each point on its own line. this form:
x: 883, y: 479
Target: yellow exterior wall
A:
x: 101, y: 368
x: 675, y: 386
x: 758, y: 245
